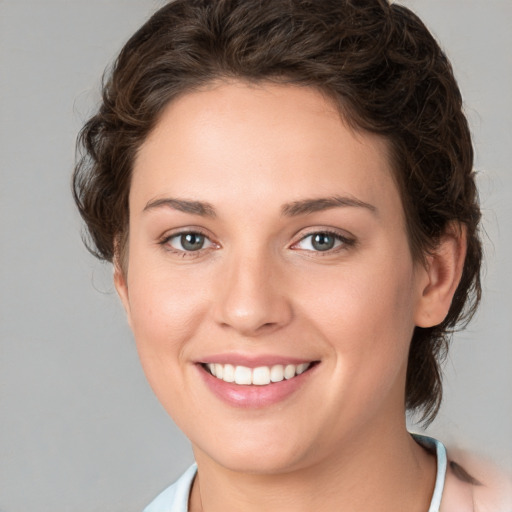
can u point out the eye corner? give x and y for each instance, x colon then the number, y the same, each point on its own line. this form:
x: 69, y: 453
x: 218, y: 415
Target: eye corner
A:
x: 189, y: 242
x: 323, y: 241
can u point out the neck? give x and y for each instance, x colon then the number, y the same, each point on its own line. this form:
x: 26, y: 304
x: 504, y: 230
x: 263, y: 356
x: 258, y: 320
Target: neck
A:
x: 382, y: 472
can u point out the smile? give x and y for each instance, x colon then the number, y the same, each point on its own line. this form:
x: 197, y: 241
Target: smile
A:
x: 260, y: 376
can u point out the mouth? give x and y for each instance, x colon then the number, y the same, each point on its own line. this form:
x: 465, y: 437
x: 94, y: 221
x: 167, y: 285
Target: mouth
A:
x: 259, y: 376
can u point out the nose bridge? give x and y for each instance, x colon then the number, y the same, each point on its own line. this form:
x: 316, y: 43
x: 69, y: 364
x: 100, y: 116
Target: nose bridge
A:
x: 250, y: 298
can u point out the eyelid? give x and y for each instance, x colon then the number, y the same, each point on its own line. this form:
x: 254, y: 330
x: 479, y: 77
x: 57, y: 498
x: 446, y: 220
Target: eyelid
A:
x: 342, y: 236
x: 347, y: 240
x: 169, y: 235
x: 179, y: 237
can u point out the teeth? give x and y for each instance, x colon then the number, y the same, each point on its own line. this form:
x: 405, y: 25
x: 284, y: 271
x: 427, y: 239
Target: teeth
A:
x: 277, y: 373
x: 243, y: 375
x: 301, y: 368
x: 219, y: 371
x: 289, y: 371
x: 229, y: 373
x: 261, y: 376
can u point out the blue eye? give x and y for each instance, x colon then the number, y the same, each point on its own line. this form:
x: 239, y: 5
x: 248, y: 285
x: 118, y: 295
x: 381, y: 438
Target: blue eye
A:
x: 189, y: 242
x: 322, y: 241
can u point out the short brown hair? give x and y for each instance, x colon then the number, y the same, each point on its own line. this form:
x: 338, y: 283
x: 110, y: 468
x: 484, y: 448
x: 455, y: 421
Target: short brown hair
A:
x: 377, y: 61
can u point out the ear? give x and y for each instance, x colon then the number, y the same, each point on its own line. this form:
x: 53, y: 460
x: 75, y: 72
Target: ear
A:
x: 122, y: 288
x: 442, y: 272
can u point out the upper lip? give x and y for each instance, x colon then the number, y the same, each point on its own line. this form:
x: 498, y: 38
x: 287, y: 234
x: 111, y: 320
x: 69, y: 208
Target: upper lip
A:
x: 253, y: 361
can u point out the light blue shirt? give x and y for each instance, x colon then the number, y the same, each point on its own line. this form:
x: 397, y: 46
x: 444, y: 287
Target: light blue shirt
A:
x: 175, y: 497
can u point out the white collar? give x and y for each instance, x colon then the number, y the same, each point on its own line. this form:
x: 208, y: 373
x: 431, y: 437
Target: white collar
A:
x: 175, y: 498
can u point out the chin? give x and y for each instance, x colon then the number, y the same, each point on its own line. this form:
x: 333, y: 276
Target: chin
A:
x: 260, y: 456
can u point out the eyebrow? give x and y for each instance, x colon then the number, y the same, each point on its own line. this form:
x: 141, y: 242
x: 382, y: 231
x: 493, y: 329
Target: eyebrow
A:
x: 293, y: 209
x: 183, y: 205
x: 308, y: 206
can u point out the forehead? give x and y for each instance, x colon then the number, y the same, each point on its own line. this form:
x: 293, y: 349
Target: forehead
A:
x: 264, y: 141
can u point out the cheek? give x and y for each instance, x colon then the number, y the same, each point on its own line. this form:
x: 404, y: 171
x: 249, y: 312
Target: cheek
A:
x: 364, y: 299
x: 165, y: 316
x: 367, y: 317
x: 164, y: 309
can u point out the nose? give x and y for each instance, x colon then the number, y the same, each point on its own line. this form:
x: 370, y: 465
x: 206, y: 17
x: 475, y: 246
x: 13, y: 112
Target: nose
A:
x: 252, y: 297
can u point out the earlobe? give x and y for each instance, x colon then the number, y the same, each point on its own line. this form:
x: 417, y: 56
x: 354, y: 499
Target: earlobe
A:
x: 122, y: 289
x: 443, y: 271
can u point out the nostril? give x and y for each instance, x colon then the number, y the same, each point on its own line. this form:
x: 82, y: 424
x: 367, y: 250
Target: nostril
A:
x: 250, y: 302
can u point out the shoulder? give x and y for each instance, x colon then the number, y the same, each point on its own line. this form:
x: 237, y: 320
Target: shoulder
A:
x: 475, y: 485
x: 175, y: 497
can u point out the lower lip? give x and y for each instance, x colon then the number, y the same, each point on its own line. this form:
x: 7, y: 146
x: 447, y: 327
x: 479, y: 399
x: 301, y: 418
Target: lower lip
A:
x: 254, y: 396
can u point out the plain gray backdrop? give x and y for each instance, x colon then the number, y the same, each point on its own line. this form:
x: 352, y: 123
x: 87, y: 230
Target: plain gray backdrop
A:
x: 79, y: 427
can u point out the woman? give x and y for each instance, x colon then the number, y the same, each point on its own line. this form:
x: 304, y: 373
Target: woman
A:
x: 285, y: 189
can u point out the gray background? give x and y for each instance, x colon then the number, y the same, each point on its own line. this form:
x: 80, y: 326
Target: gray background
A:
x: 79, y: 427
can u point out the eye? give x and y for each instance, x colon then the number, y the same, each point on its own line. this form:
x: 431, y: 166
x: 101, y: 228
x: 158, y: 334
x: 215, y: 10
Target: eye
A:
x: 189, y: 242
x: 322, y: 241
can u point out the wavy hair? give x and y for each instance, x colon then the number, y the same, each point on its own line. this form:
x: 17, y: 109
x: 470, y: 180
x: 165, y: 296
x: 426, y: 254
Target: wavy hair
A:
x: 379, y: 64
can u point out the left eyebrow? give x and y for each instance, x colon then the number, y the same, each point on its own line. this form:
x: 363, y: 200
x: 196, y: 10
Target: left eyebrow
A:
x: 307, y: 206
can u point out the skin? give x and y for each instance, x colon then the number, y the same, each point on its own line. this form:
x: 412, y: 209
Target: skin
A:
x: 259, y: 287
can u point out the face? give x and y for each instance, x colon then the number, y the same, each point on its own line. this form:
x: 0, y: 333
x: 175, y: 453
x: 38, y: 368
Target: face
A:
x: 269, y: 282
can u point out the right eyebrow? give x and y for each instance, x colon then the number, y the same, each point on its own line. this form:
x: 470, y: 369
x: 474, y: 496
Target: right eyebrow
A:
x: 183, y: 205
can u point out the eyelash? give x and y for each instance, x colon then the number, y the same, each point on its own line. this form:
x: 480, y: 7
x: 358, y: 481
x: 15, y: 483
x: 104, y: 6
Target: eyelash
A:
x: 345, y: 243
x: 165, y: 243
